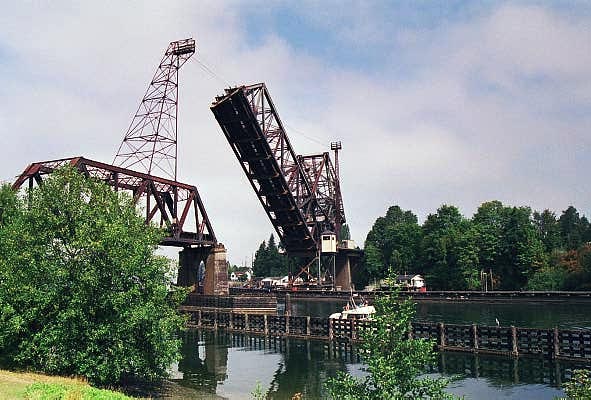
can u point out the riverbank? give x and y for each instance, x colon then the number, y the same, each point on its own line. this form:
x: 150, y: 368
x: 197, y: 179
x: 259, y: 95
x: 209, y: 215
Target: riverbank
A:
x: 26, y: 385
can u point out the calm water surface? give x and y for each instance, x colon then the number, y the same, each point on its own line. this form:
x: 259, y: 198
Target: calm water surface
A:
x: 228, y: 366
x: 532, y: 315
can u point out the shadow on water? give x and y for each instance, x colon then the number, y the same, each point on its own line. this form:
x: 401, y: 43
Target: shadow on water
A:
x: 219, y: 365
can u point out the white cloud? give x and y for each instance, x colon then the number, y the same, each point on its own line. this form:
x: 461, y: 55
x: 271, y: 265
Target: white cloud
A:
x: 494, y: 107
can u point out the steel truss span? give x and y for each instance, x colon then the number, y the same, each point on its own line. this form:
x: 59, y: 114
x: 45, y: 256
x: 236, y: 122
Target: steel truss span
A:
x: 167, y: 203
x: 300, y: 194
x: 150, y: 144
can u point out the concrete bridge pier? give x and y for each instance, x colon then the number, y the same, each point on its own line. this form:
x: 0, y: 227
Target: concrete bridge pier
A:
x: 345, y: 262
x: 216, y: 272
x: 215, y: 281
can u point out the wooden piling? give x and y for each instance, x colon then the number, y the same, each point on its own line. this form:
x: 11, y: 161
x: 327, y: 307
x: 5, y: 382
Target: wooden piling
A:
x: 441, y: 334
x: 514, y: 349
x: 555, y: 343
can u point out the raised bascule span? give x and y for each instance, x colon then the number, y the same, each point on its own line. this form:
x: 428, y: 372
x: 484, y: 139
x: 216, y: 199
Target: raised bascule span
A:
x: 300, y: 194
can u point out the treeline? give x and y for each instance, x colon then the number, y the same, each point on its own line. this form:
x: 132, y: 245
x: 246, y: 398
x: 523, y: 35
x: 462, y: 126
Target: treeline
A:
x: 268, y: 261
x: 522, y: 249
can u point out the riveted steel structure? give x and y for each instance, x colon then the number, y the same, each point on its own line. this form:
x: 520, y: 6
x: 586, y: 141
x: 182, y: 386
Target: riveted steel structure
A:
x: 171, y: 205
x: 150, y: 144
x: 300, y: 194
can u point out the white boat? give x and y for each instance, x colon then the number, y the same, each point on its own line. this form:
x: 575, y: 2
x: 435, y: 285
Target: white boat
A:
x: 355, y: 310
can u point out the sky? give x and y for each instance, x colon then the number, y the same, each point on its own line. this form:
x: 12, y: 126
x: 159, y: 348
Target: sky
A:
x: 435, y: 102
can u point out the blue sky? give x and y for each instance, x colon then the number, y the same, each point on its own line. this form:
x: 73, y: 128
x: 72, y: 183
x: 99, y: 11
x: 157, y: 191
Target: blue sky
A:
x: 435, y: 102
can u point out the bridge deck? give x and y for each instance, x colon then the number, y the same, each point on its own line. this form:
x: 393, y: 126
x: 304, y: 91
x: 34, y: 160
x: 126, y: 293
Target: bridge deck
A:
x: 242, y: 130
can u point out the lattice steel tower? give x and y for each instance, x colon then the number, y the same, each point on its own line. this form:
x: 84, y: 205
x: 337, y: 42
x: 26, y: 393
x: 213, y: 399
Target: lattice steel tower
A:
x: 150, y: 144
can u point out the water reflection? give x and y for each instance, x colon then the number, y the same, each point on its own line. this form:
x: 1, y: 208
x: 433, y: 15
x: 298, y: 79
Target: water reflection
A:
x: 225, y: 365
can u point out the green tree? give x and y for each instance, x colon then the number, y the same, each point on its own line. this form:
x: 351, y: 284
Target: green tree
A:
x: 260, y: 266
x: 81, y: 289
x: 489, y: 222
x: 522, y: 252
x: 268, y: 261
x: 548, y: 230
x: 449, y: 256
x: 572, y: 229
x: 395, y: 364
x: 345, y: 233
x: 392, y: 243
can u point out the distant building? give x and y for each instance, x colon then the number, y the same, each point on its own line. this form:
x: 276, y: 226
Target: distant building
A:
x: 241, y: 276
x: 275, y: 281
x: 411, y: 282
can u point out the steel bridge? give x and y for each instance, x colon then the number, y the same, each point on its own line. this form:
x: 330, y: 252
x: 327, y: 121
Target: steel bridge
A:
x: 150, y: 148
x: 300, y: 193
x: 168, y: 203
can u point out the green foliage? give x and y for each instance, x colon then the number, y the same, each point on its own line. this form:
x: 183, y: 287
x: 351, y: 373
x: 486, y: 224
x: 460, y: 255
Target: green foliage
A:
x: 392, y: 243
x: 548, y: 229
x: 81, y: 290
x: 345, y: 234
x: 258, y: 393
x: 395, y: 363
x: 548, y: 279
x: 61, y: 391
x: 579, y: 387
x: 449, y: 256
x: 573, y: 228
x: 268, y: 261
x: 522, y: 249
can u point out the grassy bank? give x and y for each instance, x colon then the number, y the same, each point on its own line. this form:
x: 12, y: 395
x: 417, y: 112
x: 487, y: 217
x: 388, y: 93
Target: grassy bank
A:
x: 24, y: 385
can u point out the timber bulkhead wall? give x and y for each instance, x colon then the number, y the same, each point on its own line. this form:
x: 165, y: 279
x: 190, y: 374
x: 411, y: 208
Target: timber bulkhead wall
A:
x: 564, y: 344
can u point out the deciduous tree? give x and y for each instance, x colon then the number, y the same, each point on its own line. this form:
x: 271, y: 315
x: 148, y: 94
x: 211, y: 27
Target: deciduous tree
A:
x: 81, y: 289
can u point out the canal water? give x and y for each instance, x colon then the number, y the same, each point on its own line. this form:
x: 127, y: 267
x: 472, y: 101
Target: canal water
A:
x: 523, y: 314
x: 221, y: 365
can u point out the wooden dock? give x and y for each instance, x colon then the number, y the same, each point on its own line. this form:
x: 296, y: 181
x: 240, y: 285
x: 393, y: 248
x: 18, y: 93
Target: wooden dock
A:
x: 559, y: 344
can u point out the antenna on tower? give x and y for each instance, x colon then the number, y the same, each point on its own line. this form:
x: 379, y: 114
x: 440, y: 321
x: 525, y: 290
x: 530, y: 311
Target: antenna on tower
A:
x: 150, y: 144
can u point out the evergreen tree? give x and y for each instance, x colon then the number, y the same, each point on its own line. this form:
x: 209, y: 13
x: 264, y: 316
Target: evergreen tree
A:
x: 572, y: 229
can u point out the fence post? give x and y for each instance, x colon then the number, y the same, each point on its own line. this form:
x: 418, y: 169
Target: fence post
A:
x: 199, y: 318
x: 330, y: 333
x: 215, y: 320
x: 231, y: 321
x: 266, y: 325
x: 352, y: 329
x: 555, y: 343
x: 474, y: 338
x: 308, y: 329
x: 287, y: 325
x: 514, y: 349
x: 441, y: 334
x: 246, y: 327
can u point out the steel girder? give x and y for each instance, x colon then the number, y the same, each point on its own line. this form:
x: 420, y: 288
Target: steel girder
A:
x: 167, y: 203
x: 150, y: 143
x: 295, y: 191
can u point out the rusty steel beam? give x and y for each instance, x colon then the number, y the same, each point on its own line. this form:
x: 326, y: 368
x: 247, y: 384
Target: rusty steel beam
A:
x: 300, y: 194
x: 168, y: 196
